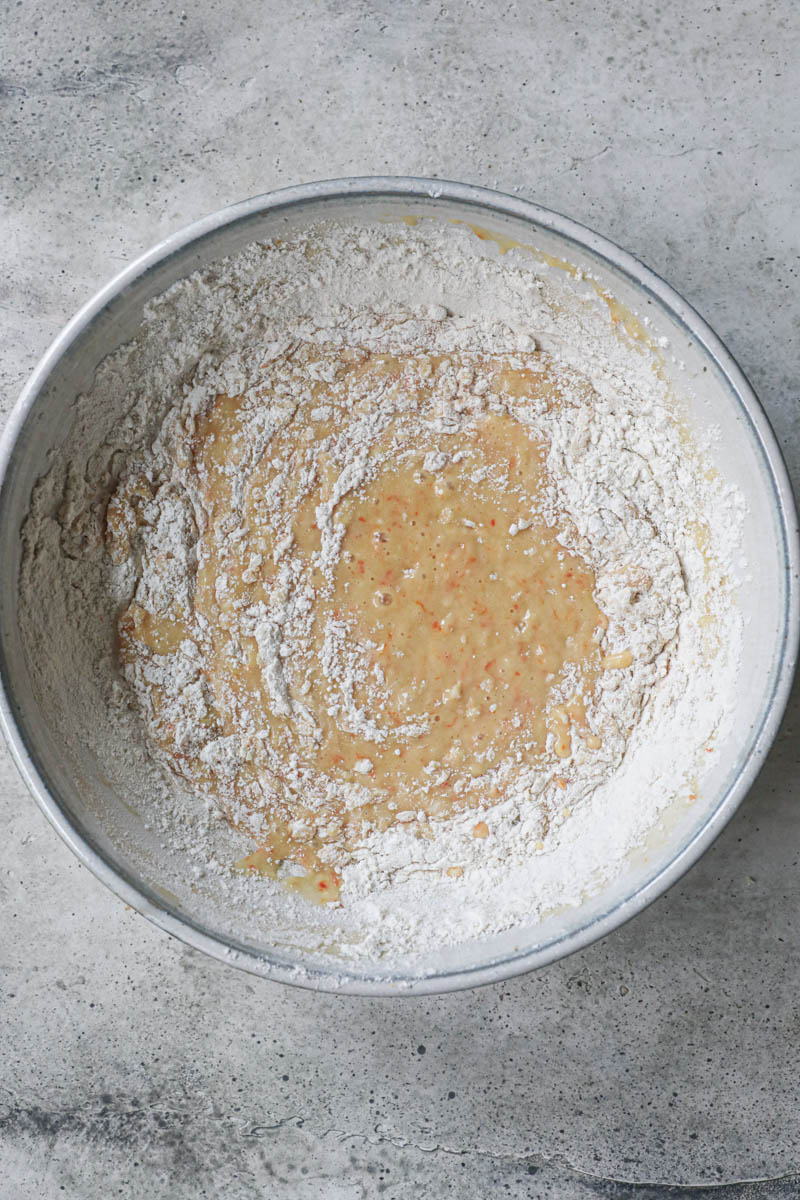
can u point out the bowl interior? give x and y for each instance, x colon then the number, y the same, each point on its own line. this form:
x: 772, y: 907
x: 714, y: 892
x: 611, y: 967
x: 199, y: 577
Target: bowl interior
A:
x: 103, y: 826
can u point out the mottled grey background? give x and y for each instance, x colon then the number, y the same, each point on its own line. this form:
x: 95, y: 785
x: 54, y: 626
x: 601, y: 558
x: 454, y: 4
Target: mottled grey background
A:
x: 662, y: 1062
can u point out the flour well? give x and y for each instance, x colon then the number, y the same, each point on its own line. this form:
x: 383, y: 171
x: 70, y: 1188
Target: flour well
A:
x: 628, y: 491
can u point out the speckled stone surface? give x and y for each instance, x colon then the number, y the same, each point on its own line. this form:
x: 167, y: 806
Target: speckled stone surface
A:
x: 662, y: 1062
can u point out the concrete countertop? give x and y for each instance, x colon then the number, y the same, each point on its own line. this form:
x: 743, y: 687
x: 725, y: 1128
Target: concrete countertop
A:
x: 662, y: 1062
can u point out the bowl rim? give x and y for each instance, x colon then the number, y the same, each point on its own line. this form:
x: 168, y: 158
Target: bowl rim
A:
x: 347, y: 980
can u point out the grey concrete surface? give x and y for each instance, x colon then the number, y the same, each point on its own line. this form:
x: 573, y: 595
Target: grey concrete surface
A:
x: 662, y: 1062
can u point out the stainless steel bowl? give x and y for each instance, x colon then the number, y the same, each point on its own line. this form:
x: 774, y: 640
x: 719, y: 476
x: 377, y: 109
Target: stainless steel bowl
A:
x: 747, y: 452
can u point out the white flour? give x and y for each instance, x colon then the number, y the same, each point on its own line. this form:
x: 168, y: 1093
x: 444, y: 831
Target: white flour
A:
x: 629, y: 490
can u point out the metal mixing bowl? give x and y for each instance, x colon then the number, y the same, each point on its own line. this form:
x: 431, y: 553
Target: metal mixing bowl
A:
x: 746, y: 453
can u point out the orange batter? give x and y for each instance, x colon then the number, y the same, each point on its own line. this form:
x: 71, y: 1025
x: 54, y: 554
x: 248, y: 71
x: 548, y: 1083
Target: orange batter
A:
x: 379, y: 653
